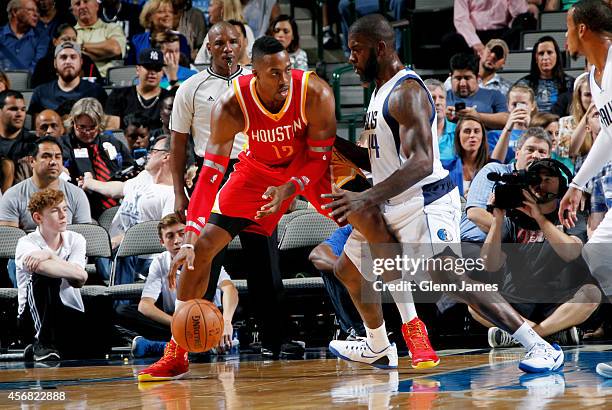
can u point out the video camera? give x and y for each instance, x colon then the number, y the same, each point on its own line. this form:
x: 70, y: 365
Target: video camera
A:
x: 509, y: 186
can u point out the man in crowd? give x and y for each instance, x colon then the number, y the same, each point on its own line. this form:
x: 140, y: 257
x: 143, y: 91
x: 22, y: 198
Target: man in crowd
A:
x: 446, y: 128
x: 69, y: 84
x: 492, y: 60
x: 16, y: 143
x: 21, y: 45
x: 145, y: 97
x: 487, y: 105
x: 103, y: 42
x: 48, y: 123
x: 174, y: 72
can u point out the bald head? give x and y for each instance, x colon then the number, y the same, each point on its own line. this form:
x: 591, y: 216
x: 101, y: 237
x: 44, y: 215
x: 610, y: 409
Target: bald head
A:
x: 374, y: 27
x: 219, y: 28
x: 49, y: 123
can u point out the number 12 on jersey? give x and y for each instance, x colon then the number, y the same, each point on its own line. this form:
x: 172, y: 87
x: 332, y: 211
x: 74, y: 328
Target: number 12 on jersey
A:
x: 373, y: 144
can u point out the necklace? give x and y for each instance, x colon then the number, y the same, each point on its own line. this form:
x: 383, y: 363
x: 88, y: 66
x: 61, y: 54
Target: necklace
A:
x: 111, y: 20
x: 141, y: 101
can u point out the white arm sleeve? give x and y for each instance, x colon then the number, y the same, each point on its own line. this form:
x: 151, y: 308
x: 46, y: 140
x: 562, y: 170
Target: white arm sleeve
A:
x: 598, y: 156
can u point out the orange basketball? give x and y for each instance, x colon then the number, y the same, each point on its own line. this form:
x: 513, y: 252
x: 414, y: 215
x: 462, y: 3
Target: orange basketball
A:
x: 197, y: 326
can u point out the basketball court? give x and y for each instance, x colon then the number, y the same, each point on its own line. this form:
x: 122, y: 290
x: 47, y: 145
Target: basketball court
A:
x: 476, y: 378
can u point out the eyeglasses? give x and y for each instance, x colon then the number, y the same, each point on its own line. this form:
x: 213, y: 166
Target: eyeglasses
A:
x: 85, y: 130
x: 153, y: 150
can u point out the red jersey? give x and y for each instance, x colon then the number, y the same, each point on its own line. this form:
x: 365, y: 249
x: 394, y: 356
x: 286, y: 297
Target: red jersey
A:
x: 274, y: 139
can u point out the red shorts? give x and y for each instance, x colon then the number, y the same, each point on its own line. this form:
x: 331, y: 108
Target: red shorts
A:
x: 240, y: 197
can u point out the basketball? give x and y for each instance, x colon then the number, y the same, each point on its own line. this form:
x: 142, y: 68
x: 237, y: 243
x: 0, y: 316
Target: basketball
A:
x: 197, y: 326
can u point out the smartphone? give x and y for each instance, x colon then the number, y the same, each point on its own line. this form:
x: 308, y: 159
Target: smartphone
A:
x: 521, y: 105
x: 459, y: 106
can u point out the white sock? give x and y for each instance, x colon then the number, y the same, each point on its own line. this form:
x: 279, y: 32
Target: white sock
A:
x: 377, y: 338
x: 404, y: 302
x: 526, y: 336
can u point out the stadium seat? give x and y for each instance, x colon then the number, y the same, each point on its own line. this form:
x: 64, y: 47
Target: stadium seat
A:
x: 123, y: 76
x: 513, y: 76
x: 98, y: 241
x: 307, y: 230
x: 140, y: 239
x: 8, y: 241
x: 554, y: 20
x: 518, y: 61
x: 20, y: 80
x: 285, y: 219
x: 351, y: 98
x: 529, y: 38
x: 107, y: 216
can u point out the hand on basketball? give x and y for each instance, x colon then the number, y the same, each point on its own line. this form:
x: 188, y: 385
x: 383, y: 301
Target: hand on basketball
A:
x: 568, y: 206
x: 345, y: 203
x: 276, y: 195
x: 184, y: 257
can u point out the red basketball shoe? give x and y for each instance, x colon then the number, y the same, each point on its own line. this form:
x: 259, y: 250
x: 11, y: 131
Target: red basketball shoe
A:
x: 422, y: 354
x: 173, y: 365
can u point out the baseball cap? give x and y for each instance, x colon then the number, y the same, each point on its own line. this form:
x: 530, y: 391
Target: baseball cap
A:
x: 151, y: 57
x: 499, y: 47
x: 67, y: 44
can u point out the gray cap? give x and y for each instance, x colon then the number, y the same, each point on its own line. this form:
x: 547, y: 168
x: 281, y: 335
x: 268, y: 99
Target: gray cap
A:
x: 67, y: 44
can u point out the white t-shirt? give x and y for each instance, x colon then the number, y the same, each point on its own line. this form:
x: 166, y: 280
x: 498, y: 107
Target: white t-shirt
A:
x: 193, y: 105
x: 157, y: 282
x: 143, y: 201
x: 72, y: 250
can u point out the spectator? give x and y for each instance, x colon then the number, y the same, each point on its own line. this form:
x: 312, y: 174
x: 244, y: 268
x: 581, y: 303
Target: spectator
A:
x: 243, y: 58
x: 50, y: 270
x: 144, y: 97
x: 550, y: 123
x: 475, y: 223
x: 42, y: 74
x: 69, y: 85
x: 15, y: 141
x: 324, y: 256
x: 572, y: 129
x: 472, y: 153
x: 137, y: 134
x: 189, y: 21
x: 47, y: 168
x: 544, y: 278
x: 153, y: 322
x: 284, y: 29
x: 48, y: 123
x: 547, y: 78
x: 123, y: 13
x: 49, y: 17
x: 5, y: 83
x: 174, y: 73
x: 259, y: 14
x: 224, y: 10
x: 147, y: 197
x: 86, y: 149
x: 478, y: 21
x: 592, y: 127
x: 103, y: 42
x: 489, y: 106
x: 21, y: 45
x: 521, y: 104
x: 446, y: 129
x: 156, y: 16
x: 165, y: 112
x: 492, y: 60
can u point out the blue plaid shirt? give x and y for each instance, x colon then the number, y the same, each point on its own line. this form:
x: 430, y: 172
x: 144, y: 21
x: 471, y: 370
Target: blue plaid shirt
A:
x: 21, y: 53
x: 478, y: 196
x: 601, y: 196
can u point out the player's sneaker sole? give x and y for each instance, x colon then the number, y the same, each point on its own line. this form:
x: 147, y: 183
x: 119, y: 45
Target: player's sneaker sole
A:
x: 378, y: 363
x: 151, y: 378
x: 428, y: 364
x: 604, y: 370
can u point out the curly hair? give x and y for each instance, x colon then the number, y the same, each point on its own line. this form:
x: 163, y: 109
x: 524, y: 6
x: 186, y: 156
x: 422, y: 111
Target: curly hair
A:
x: 44, y: 199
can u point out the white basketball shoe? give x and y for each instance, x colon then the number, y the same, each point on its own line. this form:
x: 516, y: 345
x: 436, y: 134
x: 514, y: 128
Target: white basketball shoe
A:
x: 542, y: 358
x: 359, y: 351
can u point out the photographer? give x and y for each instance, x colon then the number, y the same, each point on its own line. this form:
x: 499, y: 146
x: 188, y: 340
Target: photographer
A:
x: 147, y: 197
x: 475, y: 223
x: 86, y: 149
x: 544, y: 276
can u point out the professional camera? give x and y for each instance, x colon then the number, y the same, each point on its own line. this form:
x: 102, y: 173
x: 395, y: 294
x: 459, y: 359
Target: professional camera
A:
x: 509, y: 187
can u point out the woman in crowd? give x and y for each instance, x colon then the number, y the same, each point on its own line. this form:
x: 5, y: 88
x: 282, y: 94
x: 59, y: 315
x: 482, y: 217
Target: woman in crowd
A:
x: 522, y: 106
x: 5, y: 83
x: 156, y: 16
x: 472, y: 153
x: 573, y: 128
x: 588, y: 130
x: 284, y: 29
x: 224, y: 10
x: 44, y: 72
x: 547, y: 78
x: 550, y: 123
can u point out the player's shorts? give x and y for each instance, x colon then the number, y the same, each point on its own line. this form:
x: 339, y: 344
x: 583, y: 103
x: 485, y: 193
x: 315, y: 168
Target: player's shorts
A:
x: 597, y: 253
x: 423, y: 230
x: 241, y: 196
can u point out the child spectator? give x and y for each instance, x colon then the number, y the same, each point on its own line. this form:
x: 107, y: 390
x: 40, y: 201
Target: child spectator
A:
x: 152, y: 318
x: 137, y: 134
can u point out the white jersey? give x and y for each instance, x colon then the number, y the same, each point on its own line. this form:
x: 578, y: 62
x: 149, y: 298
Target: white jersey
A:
x: 602, y: 96
x: 193, y: 106
x: 386, y: 155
